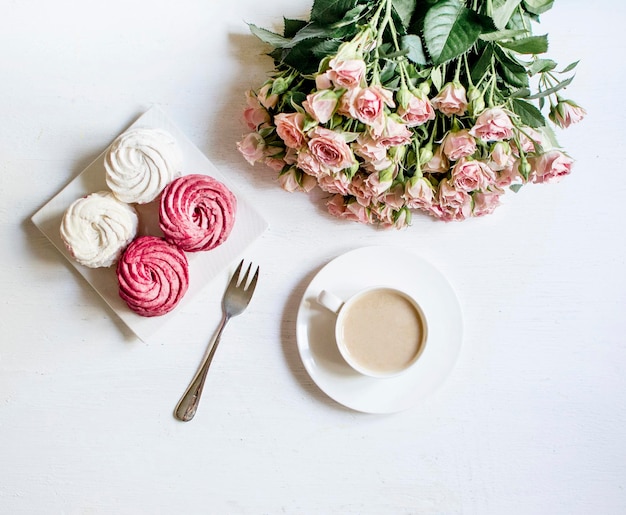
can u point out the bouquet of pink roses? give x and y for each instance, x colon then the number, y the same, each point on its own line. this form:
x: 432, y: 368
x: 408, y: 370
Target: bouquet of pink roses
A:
x: 392, y: 106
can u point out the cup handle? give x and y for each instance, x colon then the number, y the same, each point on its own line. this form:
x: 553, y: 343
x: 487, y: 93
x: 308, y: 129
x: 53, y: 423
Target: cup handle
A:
x: 330, y: 301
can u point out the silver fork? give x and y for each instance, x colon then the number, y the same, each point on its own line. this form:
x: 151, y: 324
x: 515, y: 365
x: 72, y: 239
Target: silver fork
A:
x: 236, y: 298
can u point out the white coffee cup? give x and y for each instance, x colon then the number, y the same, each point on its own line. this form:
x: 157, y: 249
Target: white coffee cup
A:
x: 380, y: 331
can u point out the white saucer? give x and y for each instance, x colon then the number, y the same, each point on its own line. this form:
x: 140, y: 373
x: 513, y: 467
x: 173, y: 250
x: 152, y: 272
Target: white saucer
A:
x: 375, y: 266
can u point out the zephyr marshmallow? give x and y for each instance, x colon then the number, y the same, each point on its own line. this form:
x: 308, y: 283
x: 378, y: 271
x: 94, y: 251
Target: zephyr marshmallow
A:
x: 153, y: 276
x: 96, y: 229
x: 197, y: 212
x: 140, y: 163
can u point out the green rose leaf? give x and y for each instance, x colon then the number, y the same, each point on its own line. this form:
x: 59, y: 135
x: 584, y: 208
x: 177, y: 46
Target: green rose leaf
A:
x: 520, y: 20
x: 405, y: 9
x: 502, y: 11
x: 267, y: 36
x: 513, y: 78
x: 450, y: 29
x: 528, y: 113
x: 330, y: 11
x: 538, y: 6
x: 415, y: 51
x: 483, y: 63
x: 437, y: 77
x: 502, y: 34
x: 530, y: 45
x: 542, y: 66
x: 554, y: 89
x: 388, y: 72
x: 520, y: 93
x: 352, y: 16
x: 293, y: 26
x: 513, y: 72
x: 569, y: 67
x: 325, y: 48
x: 302, y: 56
x: 312, y: 30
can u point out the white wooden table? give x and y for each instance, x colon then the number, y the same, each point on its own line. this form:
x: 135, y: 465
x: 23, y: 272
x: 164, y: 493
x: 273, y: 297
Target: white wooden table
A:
x: 531, y: 421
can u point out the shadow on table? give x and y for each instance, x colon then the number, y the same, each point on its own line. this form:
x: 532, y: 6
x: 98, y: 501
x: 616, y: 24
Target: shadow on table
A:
x: 323, y: 347
x: 48, y: 260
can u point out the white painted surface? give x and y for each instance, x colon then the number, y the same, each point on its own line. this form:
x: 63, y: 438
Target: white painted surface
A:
x: 532, y: 419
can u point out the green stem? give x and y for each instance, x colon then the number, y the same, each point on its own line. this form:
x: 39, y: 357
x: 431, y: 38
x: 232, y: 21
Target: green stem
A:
x: 374, y: 20
x: 492, y: 84
x: 468, y: 71
x: 386, y: 19
x: 457, y: 72
x: 380, y: 31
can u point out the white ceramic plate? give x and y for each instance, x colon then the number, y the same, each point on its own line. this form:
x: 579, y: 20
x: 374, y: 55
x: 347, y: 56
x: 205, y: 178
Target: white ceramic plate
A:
x: 203, y: 266
x: 376, y: 266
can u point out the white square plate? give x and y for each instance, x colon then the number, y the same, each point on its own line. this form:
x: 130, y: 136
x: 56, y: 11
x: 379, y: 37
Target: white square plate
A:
x: 203, y: 266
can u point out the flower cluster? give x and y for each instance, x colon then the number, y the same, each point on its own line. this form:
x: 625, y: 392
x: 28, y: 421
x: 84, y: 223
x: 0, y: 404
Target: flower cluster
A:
x: 388, y: 123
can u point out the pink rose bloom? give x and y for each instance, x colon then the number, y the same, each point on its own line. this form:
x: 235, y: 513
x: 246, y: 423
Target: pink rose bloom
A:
x: 357, y: 213
x: 291, y: 156
x: 335, y: 183
x: 336, y: 205
x: 330, y: 149
x: 452, y: 99
x: 394, y: 197
x: 252, y: 147
x: 377, y: 166
x: 550, y: 167
x: 322, y: 81
x: 394, y: 134
x: 352, y: 211
x: 402, y: 219
x: 272, y: 159
x: 293, y: 180
x: 254, y: 114
x: 438, y: 163
x: 273, y: 150
x: 374, y: 154
x: 310, y: 165
x: 367, y: 105
x: 493, y: 125
x: 321, y: 105
x: 379, y: 182
x: 471, y: 175
x: 459, y: 144
x: 566, y: 112
x: 417, y: 112
x: 266, y: 98
x: 419, y: 193
x: 289, y: 127
x: 346, y: 73
x: 509, y: 174
x: 275, y: 163
x: 307, y: 183
x: 361, y: 190
x: 528, y: 140
x: 288, y: 181
x: 485, y: 202
x: 385, y: 215
x: 500, y: 156
x: 453, y: 204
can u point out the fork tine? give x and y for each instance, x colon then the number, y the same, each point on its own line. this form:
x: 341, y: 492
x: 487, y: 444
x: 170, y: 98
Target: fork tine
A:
x: 253, y: 282
x: 234, y: 279
x: 244, y: 279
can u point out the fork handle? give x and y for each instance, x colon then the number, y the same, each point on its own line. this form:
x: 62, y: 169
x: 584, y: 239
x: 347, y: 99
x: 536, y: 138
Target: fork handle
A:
x: 188, y: 404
